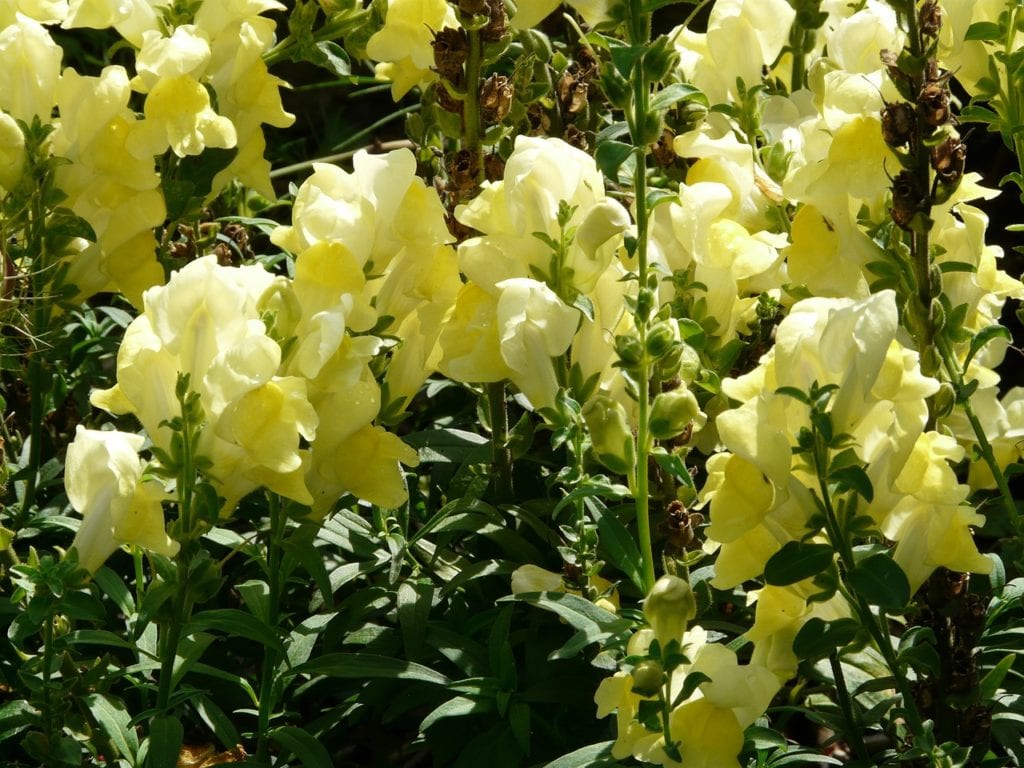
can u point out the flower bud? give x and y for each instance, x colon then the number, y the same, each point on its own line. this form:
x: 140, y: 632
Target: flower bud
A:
x: 669, y: 607
x: 689, y: 363
x: 648, y: 677
x: 661, y: 338
x: 610, y: 434
x: 629, y: 350
x: 615, y: 87
x: 672, y: 412
x: 943, y: 400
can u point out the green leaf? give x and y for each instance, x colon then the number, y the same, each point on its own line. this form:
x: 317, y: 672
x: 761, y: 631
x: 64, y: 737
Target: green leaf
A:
x: 115, y: 721
x: 165, y: 735
x: 310, y: 751
x: 946, y: 267
x: 983, y: 337
x: 236, y: 623
x: 460, y: 706
x: 797, y: 561
x: 413, y: 602
x: 853, y: 478
x: 593, y: 623
x: 610, y: 155
x: 989, y: 685
x: 880, y: 581
x: 673, y: 94
x: 333, y: 58
x: 819, y: 638
x: 585, y: 757
x: 983, y: 30
x: 361, y: 666
x: 619, y: 546
x: 219, y: 723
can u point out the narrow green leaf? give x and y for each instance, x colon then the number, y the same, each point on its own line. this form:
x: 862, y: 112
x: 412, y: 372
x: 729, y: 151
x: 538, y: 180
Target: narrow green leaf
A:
x: 880, y: 581
x: 114, y: 720
x: 585, y: 757
x: 304, y: 745
x: 994, y: 677
x: 234, y: 622
x: 413, y: 603
x: 983, y: 337
x: 619, y: 546
x: 983, y: 30
x: 361, y: 666
x: 797, y: 561
x: 165, y: 735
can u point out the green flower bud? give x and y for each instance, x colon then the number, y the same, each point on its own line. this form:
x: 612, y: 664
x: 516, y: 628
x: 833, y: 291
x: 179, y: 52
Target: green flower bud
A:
x: 689, y: 363
x: 648, y: 677
x: 944, y: 400
x: 610, y: 434
x: 669, y: 607
x: 616, y: 87
x: 629, y: 350
x: 661, y: 338
x: 673, y: 412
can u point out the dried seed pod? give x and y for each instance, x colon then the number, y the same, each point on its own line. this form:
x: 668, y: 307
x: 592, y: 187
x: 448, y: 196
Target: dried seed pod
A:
x: 572, y: 93
x: 576, y: 138
x: 904, y: 82
x: 662, y: 151
x: 497, y: 22
x: 495, y: 98
x: 933, y: 102
x: 463, y: 170
x: 929, y: 18
x: 898, y: 123
x: 948, y: 160
x: 494, y: 167
x: 908, y: 199
x: 451, y: 49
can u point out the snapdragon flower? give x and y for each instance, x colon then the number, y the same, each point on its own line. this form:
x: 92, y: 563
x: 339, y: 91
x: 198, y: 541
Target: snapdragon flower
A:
x: 206, y: 323
x: 104, y: 479
x: 29, y: 68
x: 403, y: 44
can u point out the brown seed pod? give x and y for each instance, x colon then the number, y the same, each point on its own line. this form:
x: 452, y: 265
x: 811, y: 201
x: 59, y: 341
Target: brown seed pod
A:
x: 662, y: 151
x: 496, y: 98
x: 494, y: 166
x: 948, y: 160
x: 908, y: 199
x: 929, y: 18
x: 572, y: 93
x: 898, y: 123
x: 497, y: 22
x: 463, y: 170
x: 451, y: 49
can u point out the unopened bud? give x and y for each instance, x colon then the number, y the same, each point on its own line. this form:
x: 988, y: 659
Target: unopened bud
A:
x: 610, y: 434
x: 674, y: 412
x: 669, y: 607
x: 648, y: 677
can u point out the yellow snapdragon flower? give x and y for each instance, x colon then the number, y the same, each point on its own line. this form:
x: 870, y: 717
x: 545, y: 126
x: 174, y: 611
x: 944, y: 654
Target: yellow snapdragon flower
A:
x: 103, y: 476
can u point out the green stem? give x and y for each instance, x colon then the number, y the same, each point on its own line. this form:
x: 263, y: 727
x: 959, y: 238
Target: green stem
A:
x: 952, y: 365
x: 48, y: 728
x: 472, y: 128
x: 501, y: 454
x: 338, y: 26
x: 639, y: 34
x: 40, y: 269
x: 855, y: 733
x: 275, y: 534
x: 171, y: 639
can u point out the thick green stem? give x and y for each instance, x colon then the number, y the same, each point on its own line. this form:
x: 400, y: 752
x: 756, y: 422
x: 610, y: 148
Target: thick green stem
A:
x: 639, y: 34
x: 501, y: 454
x: 38, y: 386
x: 337, y: 27
x: 278, y: 520
x: 171, y: 638
x: 472, y: 127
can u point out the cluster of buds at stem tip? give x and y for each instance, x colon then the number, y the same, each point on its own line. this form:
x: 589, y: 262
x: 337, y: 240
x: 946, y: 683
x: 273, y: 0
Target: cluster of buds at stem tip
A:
x: 920, y: 128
